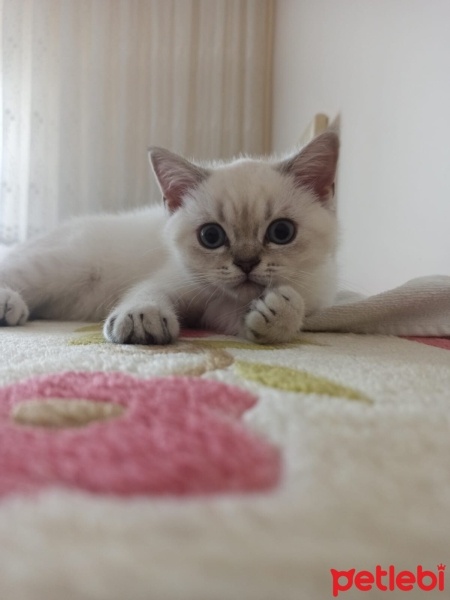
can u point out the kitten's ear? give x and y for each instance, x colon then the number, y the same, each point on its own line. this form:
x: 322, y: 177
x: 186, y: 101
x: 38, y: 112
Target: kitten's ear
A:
x: 314, y: 166
x: 176, y: 176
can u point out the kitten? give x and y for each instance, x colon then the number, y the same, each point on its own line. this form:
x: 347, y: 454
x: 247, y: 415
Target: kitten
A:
x: 244, y: 248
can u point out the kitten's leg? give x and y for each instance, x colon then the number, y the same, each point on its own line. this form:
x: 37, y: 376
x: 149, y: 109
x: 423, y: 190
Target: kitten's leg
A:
x: 144, y: 316
x: 13, y: 310
x: 14, y: 278
x: 31, y: 276
x: 46, y: 279
x: 275, y: 317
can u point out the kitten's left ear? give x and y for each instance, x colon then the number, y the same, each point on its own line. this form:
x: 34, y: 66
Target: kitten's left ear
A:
x: 176, y: 176
x: 314, y: 166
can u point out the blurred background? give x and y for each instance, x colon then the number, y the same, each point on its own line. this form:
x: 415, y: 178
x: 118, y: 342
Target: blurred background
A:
x: 88, y: 85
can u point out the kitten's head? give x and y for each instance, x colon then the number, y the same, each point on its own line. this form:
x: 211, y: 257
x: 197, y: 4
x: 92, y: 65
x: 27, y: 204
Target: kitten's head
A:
x: 249, y: 224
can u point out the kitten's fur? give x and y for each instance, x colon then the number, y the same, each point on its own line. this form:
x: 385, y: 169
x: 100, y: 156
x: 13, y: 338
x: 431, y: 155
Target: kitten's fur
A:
x: 146, y: 271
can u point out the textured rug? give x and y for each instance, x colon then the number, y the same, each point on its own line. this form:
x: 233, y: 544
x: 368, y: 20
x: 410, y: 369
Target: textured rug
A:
x: 216, y: 469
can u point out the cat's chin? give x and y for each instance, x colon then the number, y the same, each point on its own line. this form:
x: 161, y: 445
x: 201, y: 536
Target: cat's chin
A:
x: 247, y: 291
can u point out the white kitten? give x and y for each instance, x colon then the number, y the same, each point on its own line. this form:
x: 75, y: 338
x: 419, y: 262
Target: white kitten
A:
x: 242, y: 248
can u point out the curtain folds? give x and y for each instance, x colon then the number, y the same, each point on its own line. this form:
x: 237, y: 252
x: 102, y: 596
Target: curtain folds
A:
x: 88, y: 85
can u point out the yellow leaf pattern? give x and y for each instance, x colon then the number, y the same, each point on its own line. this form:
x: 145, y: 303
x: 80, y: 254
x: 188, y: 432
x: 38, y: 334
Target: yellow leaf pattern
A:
x: 291, y: 380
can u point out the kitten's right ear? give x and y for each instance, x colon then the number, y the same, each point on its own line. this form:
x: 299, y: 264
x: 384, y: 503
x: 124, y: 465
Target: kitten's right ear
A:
x: 176, y: 176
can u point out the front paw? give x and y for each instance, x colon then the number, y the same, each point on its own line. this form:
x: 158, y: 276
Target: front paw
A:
x: 143, y: 325
x: 13, y: 310
x: 275, y: 317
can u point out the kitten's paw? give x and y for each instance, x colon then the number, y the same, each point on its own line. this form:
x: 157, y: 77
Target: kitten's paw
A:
x: 13, y: 310
x: 275, y: 317
x: 143, y: 325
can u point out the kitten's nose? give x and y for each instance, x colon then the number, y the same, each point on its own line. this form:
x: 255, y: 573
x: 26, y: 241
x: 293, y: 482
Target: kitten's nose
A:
x: 247, y: 264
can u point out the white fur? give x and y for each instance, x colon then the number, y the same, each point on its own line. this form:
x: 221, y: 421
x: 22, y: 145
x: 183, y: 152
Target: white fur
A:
x: 145, y: 271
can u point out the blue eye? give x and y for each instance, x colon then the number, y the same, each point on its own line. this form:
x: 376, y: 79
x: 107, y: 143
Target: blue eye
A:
x: 281, y: 231
x: 212, y: 236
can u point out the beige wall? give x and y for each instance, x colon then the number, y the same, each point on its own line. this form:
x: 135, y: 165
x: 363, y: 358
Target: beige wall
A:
x: 384, y: 66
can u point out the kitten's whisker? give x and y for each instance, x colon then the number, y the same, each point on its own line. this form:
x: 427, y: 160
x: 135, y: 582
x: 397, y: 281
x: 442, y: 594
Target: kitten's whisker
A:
x: 297, y: 282
x: 192, y: 300
x: 240, y: 308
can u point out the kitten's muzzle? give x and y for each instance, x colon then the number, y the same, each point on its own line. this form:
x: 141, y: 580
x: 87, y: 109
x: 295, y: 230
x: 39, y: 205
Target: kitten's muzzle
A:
x: 248, y: 264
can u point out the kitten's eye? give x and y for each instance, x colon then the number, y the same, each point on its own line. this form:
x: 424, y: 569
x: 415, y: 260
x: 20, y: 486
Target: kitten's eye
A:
x: 212, y: 236
x: 281, y: 231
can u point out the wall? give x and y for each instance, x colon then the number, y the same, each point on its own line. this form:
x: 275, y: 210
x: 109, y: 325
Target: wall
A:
x: 384, y: 66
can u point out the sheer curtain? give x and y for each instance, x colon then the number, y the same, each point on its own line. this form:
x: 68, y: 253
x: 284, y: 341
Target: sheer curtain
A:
x: 88, y: 85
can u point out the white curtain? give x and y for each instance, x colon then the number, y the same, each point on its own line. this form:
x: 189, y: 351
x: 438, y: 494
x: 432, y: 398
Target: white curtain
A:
x: 88, y: 85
